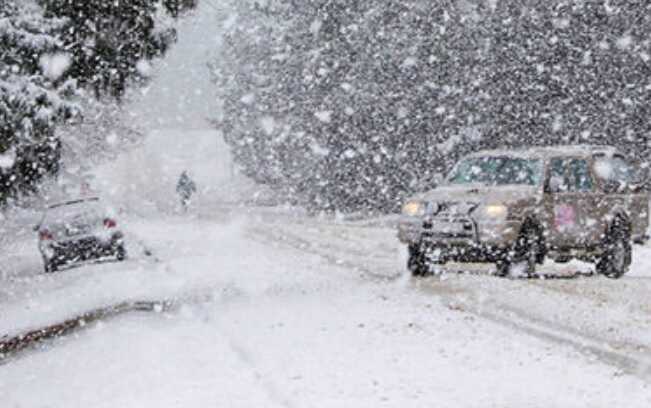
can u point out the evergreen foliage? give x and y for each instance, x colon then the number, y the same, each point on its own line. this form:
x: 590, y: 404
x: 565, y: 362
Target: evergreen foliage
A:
x: 353, y: 105
x: 107, y: 39
x: 30, y: 104
x: 49, y: 50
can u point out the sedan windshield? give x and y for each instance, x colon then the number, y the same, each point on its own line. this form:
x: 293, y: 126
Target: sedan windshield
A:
x: 497, y: 171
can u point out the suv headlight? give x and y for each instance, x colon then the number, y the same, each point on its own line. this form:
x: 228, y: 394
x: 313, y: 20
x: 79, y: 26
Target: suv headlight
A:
x: 414, y: 208
x: 496, y: 211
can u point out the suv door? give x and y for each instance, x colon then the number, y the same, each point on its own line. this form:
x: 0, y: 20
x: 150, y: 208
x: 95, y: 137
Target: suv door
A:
x: 618, y: 179
x: 572, y: 198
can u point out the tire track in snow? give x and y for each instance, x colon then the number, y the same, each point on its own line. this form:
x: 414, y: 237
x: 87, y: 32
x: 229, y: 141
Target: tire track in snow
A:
x: 594, y: 296
x: 628, y: 346
x: 272, y: 391
x: 324, y: 251
x: 632, y: 358
x: 12, y: 346
x: 631, y: 362
x: 544, y: 281
x: 626, y: 356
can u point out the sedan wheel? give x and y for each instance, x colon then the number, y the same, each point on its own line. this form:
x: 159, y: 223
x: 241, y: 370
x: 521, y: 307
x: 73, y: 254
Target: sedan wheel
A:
x: 50, y: 266
x: 121, y: 253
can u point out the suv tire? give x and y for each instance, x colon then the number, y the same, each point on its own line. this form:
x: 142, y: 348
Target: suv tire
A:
x: 615, y: 260
x: 417, y: 262
x: 527, y: 252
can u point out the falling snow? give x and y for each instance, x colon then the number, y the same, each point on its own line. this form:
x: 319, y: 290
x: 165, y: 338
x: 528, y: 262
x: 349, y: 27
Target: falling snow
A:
x: 279, y: 203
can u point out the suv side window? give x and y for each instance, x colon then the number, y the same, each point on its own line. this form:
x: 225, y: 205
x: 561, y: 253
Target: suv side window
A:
x: 558, y: 182
x: 570, y: 175
x: 614, y: 169
x: 580, y: 177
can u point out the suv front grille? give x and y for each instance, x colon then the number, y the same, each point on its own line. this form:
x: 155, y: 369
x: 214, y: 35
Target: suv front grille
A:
x: 455, y: 208
x: 448, y: 228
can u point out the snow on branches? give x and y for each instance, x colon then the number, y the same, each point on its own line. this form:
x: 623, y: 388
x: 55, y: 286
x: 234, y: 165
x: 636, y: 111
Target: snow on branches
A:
x: 49, y: 51
x: 371, y: 101
x: 31, y: 103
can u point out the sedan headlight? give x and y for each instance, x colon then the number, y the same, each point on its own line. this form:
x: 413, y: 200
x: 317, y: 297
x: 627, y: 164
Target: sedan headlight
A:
x: 414, y: 209
x: 496, y: 211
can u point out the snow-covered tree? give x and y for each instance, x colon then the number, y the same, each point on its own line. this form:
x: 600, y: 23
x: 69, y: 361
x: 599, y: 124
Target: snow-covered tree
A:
x: 176, y: 7
x: 49, y: 50
x: 570, y: 72
x: 32, y: 102
x: 109, y: 39
x: 345, y: 104
x: 350, y: 105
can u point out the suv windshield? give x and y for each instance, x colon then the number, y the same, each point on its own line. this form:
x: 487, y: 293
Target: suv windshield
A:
x: 497, y: 171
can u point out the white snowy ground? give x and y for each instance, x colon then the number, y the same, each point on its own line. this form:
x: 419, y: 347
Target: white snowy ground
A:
x: 288, y: 311
x: 278, y: 309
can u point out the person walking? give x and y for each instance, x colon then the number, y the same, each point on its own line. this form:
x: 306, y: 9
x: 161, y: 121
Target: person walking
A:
x: 185, y: 188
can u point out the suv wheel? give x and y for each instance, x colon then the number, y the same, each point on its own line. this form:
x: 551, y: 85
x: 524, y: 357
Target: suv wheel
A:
x: 615, y: 261
x: 527, y: 252
x: 417, y: 262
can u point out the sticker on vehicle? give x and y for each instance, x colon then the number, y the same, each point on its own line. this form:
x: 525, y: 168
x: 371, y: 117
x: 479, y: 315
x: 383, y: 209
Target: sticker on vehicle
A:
x: 564, y: 217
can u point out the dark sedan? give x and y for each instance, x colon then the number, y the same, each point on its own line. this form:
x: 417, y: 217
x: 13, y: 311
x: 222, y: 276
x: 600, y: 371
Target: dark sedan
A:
x: 77, y: 231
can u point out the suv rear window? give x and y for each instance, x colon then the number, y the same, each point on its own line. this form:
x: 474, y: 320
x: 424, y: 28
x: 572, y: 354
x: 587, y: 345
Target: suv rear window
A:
x: 614, y: 169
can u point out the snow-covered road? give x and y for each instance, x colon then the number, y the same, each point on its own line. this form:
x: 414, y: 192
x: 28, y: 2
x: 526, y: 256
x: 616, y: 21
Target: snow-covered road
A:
x: 277, y: 309
x: 283, y: 310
